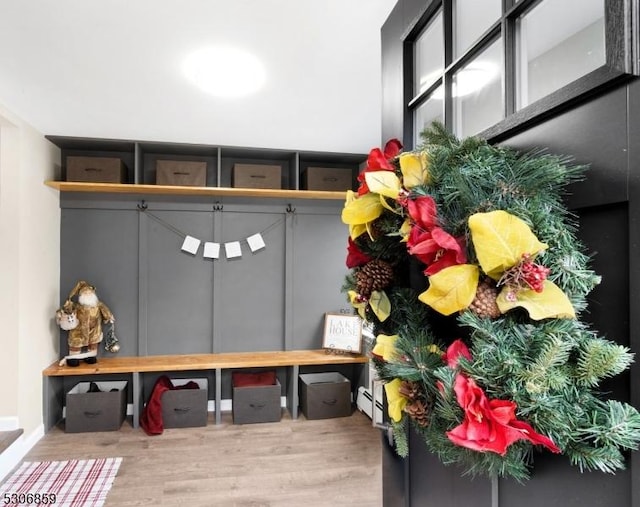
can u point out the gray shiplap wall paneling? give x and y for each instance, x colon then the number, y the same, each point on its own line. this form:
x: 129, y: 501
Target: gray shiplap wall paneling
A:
x: 101, y: 247
x: 169, y: 302
x: 179, y: 285
x: 320, y: 250
x: 251, y: 286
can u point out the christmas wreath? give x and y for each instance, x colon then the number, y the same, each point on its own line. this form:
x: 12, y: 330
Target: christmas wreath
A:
x: 464, y: 260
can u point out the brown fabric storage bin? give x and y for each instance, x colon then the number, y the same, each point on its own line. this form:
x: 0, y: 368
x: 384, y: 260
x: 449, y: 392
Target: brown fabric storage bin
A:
x: 257, y: 404
x: 327, y: 178
x: 96, y: 169
x: 96, y: 411
x: 181, y: 173
x: 185, y: 408
x: 325, y: 395
x: 257, y: 176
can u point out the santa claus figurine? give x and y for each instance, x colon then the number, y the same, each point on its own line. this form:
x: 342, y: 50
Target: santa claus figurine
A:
x: 83, y: 321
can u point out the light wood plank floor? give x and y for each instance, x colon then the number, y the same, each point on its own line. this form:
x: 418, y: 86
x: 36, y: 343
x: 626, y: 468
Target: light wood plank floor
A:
x: 320, y: 463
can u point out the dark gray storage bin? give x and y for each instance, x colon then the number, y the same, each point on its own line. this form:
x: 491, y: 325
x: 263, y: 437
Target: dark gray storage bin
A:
x: 96, y: 411
x: 185, y: 408
x: 257, y: 404
x: 325, y: 395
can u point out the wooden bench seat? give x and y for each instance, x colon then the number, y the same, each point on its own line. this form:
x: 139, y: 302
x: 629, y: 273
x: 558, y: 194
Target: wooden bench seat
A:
x: 135, y: 365
x: 186, y: 362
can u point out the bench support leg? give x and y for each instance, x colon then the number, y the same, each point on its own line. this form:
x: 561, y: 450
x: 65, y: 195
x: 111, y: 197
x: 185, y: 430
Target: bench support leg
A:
x: 218, y: 401
x: 138, y: 402
x: 293, y: 389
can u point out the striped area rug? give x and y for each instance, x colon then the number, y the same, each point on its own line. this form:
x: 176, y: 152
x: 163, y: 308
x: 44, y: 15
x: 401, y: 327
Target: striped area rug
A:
x: 73, y: 483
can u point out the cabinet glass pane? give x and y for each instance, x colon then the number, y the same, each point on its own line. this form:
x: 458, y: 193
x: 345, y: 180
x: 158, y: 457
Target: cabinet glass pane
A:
x: 558, y: 42
x: 477, y: 92
x: 428, y: 112
x: 471, y: 19
x: 428, y: 55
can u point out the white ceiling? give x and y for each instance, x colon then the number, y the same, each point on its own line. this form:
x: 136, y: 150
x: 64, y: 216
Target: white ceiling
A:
x: 112, y: 69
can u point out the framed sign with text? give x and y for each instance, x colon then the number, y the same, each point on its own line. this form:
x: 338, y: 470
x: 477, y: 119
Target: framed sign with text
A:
x: 342, y: 332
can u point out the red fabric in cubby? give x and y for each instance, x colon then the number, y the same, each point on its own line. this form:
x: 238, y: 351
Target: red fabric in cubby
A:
x: 243, y: 379
x: 151, y: 417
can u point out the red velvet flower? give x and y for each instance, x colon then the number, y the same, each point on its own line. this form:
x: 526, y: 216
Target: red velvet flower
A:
x: 423, y: 213
x: 436, y: 248
x: 355, y: 256
x: 456, y: 350
x: 379, y: 161
x: 490, y: 425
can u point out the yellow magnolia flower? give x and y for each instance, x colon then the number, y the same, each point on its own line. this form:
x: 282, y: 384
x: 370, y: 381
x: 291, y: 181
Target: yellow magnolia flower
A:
x: 385, y: 183
x: 360, y: 211
x: 415, y: 169
x: 395, y: 400
x: 501, y: 241
x: 452, y: 289
x: 385, y: 346
x: 405, y: 230
x: 378, y: 301
x: 357, y: 303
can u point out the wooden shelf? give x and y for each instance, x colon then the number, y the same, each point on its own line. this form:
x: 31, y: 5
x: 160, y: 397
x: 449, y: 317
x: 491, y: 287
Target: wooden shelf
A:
x: 189, y: 362
x: 120, y: 188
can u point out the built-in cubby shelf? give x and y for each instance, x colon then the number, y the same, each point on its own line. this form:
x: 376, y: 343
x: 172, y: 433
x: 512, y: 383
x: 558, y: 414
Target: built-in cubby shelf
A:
x: 186, y: 314
x: 140, y: 159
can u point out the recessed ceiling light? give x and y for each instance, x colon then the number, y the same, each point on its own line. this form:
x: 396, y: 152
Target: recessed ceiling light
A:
x: 225, y: 71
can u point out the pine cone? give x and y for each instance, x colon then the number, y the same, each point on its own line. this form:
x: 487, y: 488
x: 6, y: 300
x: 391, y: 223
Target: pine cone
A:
x: 484, y: 304
x: 417, y: 407
x: 374, y: 275
x: 419, y: 411
x: 410, y: 390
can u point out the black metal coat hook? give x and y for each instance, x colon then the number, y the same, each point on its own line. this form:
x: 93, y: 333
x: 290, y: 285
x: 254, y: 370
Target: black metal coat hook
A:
x: 218, y: 207
x: 290, y: 209
x: 142, y: 206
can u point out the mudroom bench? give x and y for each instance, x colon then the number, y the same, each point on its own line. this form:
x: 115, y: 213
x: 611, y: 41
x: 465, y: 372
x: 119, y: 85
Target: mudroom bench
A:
x: 131, y: 369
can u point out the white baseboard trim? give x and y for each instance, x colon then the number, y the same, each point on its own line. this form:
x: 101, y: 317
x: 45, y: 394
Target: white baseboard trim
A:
x: 9, y: 423
x: 12, y: 456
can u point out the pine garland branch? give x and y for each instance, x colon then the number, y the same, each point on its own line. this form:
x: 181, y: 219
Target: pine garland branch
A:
x: 600, y: 359
x: 543, y: 374
x: 588, y: 458
x: 615, y: 425
x: 446, y: 407
x: 401, y: 437
x: 408, y: 312
x: 385, y: 243
x: 418, y: 358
